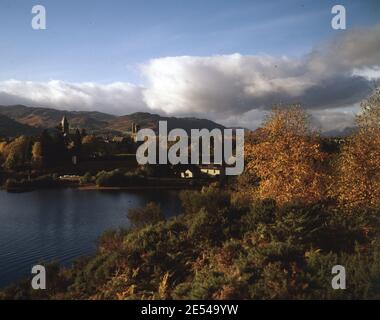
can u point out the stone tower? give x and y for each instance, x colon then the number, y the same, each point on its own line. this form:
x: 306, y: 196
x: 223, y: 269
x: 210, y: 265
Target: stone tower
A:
x: 65, y: 125
x: 135, y: 129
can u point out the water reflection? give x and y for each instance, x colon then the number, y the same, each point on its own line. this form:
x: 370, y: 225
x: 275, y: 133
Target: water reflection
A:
x: 63, y: 224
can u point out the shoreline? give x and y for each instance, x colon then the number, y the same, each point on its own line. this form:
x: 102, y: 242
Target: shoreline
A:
x: 95, y: 187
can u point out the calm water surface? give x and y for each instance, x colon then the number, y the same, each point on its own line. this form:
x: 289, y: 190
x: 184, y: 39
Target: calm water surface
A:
x: 63, y: 224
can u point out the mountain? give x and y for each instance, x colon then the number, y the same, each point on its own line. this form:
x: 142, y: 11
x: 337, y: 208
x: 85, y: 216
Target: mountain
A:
x: 12, y: 128
x: 340, y: 133
x: 98, y: 122
x: 48, y: 118
x: 148, y: 120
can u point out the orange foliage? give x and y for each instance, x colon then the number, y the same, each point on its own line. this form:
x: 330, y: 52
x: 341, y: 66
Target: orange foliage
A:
x: 287, y: 158
x: 358, y: 171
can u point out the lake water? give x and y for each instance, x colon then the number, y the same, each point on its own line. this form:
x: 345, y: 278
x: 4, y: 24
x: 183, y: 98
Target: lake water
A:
x: 63, y: 224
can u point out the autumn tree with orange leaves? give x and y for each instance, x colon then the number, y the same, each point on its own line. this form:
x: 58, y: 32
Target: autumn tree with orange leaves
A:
x: 358, y: 170
x: 287, y: 158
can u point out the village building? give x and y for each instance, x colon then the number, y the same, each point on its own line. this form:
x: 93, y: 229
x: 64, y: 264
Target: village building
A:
x: 135, y: 129
x: 65, y: 128
x: 196, y: 171
x: 71, y: 139
x: 212, y: 170
x: 187, y: 174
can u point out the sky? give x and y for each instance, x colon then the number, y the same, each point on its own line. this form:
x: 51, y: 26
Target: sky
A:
x: 228, y: 61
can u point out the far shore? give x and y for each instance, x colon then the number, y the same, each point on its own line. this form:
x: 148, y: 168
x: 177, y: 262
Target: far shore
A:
x: 95, y: 187
x: 100, y: 188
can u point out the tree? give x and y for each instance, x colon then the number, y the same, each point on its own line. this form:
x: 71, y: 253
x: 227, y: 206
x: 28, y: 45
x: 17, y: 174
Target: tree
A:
x: 77, y: 141
x: 46, y: 147
x: 88, y: 139
x: 3, y: 150
x: 141, y: 217
x: 37, y: 159
x: 287, y: 158
x: 92, y: 146
x: 18, y: 153
x: 358, y: 169
x: 53, y: 148
x: 83, y: 132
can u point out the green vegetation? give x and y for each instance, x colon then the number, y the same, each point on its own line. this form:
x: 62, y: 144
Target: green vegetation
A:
x: 142, y: 217
x: 116, y: 178
x: 46, y: 181
x: 87, y: 178
x: 221, y: 249
x: 12, y: 128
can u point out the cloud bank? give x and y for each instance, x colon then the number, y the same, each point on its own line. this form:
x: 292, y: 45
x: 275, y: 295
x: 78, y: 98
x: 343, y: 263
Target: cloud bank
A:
x: 117, y: 97
x: 234, y: 89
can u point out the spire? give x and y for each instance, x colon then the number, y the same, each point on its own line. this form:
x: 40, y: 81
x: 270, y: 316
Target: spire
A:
x: 65, y: 125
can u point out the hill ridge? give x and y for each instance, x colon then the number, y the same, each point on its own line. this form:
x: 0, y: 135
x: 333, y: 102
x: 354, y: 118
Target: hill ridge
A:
x: 100, y: 122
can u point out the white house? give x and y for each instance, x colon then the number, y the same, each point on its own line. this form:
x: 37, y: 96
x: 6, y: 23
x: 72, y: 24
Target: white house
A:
x: 212, y: 170
x: 187, y: 174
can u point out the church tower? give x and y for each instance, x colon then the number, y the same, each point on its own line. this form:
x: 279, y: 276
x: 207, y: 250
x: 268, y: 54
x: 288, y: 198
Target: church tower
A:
x: 65, y: 126
x: 135, y: 129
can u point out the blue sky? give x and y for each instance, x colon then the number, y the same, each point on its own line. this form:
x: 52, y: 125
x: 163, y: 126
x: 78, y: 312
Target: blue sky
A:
x: 227, y: 60
x: 104, y: 41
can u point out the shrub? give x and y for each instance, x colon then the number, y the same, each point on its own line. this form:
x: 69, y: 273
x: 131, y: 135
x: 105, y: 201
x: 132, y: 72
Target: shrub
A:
x: 141, y: 217
x: 211, y: 198
x: 110, y: 179
x: 116, y: 178
x: 46, y: 181
x: 87, y: 178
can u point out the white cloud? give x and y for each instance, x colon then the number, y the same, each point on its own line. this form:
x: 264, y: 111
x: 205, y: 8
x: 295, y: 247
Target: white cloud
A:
x: 117, y: 97
x: 322, y: 120
x: 233, y: 89
x: 372, y: 73
x: 230, y: 84
x: 250, y: 119
x: 334, y: 119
